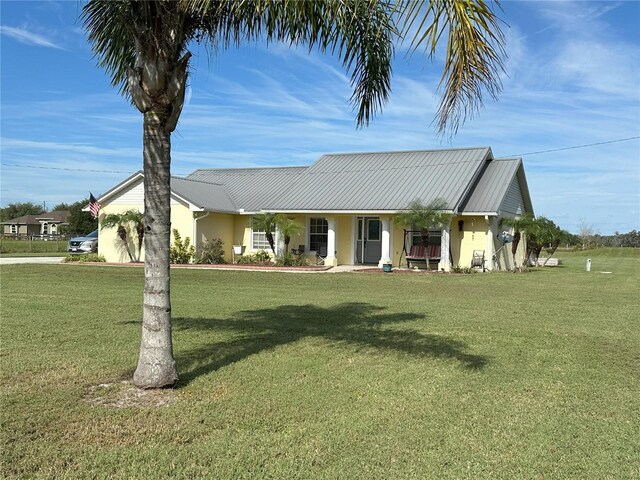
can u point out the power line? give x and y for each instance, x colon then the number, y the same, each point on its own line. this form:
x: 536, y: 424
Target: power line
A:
x: 42, y: 167
x: 572, y: 147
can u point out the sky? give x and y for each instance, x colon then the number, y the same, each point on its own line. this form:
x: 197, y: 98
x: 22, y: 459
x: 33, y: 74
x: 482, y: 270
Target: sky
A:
x: 572, y: 79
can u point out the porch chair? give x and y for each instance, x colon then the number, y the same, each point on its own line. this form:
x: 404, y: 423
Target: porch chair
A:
x: 321, y: 254
x: 477, y: 259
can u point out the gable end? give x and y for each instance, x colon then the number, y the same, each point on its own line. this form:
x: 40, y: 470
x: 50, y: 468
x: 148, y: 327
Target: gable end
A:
x: 513, y: 201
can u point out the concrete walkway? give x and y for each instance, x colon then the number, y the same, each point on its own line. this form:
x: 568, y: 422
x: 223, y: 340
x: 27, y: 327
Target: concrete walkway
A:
x: 38, y: 260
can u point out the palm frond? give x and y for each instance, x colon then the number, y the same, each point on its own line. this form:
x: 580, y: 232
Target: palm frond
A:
x: 359, y: 32
x: 474, y: 57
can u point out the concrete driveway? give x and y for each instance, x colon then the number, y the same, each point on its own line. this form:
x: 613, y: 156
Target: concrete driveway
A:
x: 39, y: 260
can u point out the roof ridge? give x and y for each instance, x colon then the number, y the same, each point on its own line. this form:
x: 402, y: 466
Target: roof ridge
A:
x: 247, y: 168
x: 406, y: 151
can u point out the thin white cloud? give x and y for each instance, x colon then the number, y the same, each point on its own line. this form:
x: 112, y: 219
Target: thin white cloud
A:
x: 15, y: 144
x: 27, y: 37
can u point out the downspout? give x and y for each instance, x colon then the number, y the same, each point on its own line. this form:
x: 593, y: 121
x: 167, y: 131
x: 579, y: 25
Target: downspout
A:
x: 195, y: 229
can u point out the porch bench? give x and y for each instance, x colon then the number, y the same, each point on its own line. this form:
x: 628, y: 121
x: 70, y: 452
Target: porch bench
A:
x: 417, y: 254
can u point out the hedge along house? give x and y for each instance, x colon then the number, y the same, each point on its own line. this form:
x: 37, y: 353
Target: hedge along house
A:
x: 347, y: 203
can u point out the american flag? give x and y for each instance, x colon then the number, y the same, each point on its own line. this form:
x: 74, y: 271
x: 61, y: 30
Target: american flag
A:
x: 94, y: 206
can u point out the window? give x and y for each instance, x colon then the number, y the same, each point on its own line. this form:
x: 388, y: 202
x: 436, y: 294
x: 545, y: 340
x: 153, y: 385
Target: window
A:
x: 435, y: 237
x: 14, y: 229
x: 318, y: 230
x: 45, y: 228
x: 259, y: 239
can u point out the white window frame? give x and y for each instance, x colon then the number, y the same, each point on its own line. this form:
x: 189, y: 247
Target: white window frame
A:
x: 14, y: 229
x: 267, y: 247
x: 311, y: 232
x: 416, y: 239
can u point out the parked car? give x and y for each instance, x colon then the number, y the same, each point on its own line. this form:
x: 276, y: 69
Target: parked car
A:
x: 87, y: 244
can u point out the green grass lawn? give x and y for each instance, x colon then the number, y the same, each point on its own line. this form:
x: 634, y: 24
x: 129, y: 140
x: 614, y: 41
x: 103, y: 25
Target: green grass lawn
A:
x: 350, y: 376
x: 32, y: 248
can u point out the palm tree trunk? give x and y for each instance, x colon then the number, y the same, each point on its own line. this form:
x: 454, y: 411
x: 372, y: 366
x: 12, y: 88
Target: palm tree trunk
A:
x: 122, y: 233
x: 156, y: 366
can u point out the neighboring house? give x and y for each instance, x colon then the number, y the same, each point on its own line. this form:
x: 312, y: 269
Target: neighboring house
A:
x: 347, y: 203
x: 44, y: 224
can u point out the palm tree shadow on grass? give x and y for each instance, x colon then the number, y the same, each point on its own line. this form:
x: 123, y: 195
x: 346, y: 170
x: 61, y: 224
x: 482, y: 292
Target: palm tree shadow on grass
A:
x: 359, y: 325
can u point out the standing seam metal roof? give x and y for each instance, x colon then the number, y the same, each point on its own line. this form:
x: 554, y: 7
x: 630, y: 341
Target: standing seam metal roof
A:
x: 251, y: 188
x: 467, y: 179
x: 490, y: 190
x: 383, y: 181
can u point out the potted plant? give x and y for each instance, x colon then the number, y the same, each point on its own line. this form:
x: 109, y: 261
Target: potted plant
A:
x: 386, y: 265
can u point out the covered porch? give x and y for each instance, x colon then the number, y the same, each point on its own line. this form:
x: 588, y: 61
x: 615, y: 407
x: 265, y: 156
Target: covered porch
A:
x: 360, y: 239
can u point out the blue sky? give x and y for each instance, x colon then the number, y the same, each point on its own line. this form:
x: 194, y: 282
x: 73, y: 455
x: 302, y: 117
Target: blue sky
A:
x: 573, y: 79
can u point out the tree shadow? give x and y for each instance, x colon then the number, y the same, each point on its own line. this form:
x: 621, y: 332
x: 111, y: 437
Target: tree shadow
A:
x: 359, y: 325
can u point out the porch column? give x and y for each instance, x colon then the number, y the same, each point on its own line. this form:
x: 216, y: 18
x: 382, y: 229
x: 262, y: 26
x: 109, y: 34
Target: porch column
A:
x: 331, y: 243
x: 386, y: 245
x: 445, y: 260
x: 280, y: 242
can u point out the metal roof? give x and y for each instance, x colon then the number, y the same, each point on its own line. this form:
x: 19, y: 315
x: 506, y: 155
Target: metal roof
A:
x: 383, y: 181
x: 492, y: 186
x: 489, y: 192
x: 209, y: 196
x: 252, y: 189
x: 468, y: 179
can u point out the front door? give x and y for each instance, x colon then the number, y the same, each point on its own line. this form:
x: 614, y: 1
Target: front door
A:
x: 369, y: 241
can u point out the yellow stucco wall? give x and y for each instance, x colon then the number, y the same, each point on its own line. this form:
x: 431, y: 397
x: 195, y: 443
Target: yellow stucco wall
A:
x: 298, y: 240
x: 109, y: 244
x: 343, y: 239
x: 472, y: 237
x: 216, y: 225
x: 398, y: 242
x: 182, y: 220
x: 236, y: 229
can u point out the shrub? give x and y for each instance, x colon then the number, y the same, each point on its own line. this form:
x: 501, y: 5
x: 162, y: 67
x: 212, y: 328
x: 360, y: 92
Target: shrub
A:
x: 262, y: 256
x: 259, y: 258
x: 459, y: 269
x: 182, y: 250
x: 289, y: 259
x: 85, y: 257
x: 211, y: 252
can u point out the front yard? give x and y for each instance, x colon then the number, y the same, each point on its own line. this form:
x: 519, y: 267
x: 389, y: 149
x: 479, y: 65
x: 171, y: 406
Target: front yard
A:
x: 501, y: 375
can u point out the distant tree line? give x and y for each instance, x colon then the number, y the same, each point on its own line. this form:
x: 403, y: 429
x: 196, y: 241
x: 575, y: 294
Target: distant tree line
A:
x: 630, y: 239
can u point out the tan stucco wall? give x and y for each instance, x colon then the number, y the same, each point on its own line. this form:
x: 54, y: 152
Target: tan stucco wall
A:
x: 216, y: 225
